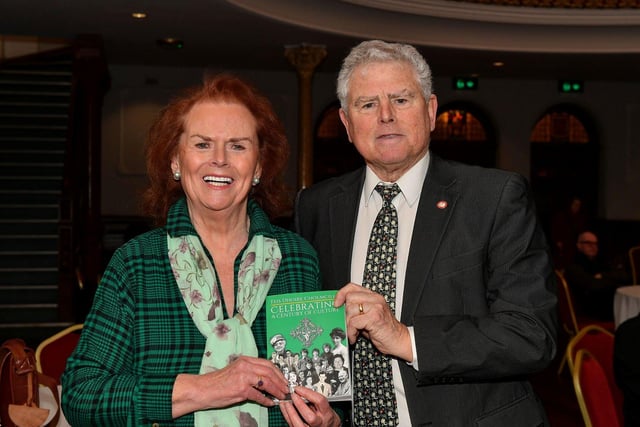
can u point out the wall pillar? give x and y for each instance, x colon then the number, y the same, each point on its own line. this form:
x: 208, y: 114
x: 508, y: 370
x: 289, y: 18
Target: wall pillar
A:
x: 305, y: 58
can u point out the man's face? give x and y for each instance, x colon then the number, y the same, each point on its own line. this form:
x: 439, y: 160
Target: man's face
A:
x: 588, y: 244
x: 279, y: 345
x: 387, y: 117
x: 342, y: 376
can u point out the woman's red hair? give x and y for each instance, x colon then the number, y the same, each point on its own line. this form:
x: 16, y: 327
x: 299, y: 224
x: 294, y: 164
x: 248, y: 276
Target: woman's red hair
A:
x: 164, y: 137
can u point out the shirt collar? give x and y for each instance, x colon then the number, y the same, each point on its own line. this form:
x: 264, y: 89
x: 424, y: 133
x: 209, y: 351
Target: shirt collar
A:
x: 410, y: 183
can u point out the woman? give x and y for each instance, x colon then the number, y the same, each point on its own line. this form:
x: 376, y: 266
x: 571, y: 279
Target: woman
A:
x: 338, y: 335
x: 176, y: 335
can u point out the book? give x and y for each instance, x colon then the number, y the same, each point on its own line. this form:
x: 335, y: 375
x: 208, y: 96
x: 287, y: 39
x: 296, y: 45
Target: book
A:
x: 308, y: 342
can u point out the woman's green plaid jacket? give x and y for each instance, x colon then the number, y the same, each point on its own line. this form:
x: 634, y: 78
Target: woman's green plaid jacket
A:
x: 138, y: 335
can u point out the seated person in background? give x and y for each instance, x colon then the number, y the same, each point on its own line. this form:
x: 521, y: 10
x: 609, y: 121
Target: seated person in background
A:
x: 565, y: 227
x: 626, y: 354
x: 593, y: 281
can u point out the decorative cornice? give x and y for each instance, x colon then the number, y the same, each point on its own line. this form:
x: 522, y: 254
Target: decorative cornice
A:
x: 567, y: 4
x: 534, y: 12
x: 463, y: 25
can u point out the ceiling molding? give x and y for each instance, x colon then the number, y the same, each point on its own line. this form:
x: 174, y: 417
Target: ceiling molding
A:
x: 506, y: 13
x: 345, y: 17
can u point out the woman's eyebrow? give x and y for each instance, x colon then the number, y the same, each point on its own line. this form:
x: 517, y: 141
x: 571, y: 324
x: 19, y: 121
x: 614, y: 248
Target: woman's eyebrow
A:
x: 202, y: 137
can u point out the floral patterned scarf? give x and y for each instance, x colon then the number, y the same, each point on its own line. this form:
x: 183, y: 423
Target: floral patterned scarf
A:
x: 226, y: 338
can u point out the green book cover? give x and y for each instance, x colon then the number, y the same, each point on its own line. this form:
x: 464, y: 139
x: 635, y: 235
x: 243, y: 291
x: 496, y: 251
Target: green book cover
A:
x: 308, y: 342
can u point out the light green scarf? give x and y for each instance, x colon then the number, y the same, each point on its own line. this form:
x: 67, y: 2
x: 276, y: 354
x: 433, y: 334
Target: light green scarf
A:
x: 226, y: 338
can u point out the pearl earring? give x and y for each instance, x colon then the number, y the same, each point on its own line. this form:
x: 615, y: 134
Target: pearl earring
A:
x: 256, y: 181
x: 177, y: 176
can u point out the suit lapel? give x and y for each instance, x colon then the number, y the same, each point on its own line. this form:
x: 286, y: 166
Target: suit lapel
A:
x: 437, y: 202
x: 343, y: 213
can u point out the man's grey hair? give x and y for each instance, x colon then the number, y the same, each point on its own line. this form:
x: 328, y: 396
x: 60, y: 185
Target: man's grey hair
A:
x: 373, y: 51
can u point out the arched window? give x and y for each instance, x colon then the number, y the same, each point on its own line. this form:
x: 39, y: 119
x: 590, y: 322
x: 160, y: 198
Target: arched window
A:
x: 564, y: 161
x: 463, y: 133
x: 559, y: 127
x: 333, y: 154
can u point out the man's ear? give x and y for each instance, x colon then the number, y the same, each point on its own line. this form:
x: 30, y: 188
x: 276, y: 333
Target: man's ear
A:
x: 344, y: 118
x: 432, y: 108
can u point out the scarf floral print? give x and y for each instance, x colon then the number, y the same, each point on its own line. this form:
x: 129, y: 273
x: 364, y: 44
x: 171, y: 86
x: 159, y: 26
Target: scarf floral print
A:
x: 226, y: 338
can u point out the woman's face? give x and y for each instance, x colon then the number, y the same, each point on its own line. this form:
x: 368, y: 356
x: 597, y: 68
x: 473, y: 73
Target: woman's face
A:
x: 218, y: 157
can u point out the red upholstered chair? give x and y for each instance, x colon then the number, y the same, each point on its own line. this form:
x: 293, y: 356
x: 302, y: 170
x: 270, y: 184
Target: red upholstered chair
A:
x: 597, y: 340
x: 566, y: 310
x: 53, y: 352
x: 570, y: 322
x: 566, y: 314
x: 599, y: 343
x: 592, y: 390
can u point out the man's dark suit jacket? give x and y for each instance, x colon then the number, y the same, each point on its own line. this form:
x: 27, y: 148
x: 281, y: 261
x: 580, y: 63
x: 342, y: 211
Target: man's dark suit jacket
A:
x: 626, y: 356
x: 479, y: 290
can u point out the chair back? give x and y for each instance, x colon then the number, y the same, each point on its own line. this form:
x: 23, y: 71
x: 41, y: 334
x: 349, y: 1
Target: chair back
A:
x: 599, y: 342
x: 53, y: 352
x: 566, y: 310
x: 593, y: 392
x: 634, y: 261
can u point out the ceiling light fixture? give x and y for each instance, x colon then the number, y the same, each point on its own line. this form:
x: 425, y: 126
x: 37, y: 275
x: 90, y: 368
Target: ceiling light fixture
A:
x: 498, y: 64
x: 170, y: 43
x: 138, y: 15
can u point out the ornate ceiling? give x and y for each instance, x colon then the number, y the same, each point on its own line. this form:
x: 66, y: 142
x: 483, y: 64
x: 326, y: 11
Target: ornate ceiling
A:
x: 533, y: 38
x: 564, y: 4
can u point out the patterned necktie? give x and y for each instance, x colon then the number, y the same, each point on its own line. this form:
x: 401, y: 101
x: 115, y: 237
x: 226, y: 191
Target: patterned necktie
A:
x: 374, y: 395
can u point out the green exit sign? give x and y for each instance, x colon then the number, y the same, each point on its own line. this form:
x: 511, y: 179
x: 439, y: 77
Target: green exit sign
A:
x: 571, y: 86
x: 465, y: 83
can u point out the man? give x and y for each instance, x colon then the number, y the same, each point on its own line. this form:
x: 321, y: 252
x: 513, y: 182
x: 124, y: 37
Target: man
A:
x: 474, y: 293
x: 592, y: 280
x: 344, y: 386
x: 626, y: 353
x: 322, y: 386
x: 279, y: 344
